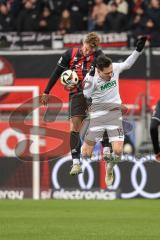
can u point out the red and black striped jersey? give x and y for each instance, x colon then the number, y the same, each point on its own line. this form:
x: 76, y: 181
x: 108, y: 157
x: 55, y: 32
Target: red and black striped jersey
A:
x: 75, y: 60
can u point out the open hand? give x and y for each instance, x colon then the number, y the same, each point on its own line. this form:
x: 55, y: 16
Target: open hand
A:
x: 44, y: 99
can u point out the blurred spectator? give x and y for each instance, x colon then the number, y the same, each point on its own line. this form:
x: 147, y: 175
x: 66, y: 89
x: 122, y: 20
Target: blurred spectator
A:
x: 15, y: 6
x: 77, y: 13
x: 115, y: 21
x: 67, y: 24
x: 28, y: 17
x: 98, y: 15
x: 64, y: 25
x: 6, y: 18
x: 151, y: 22
x: 55, y: 5
x: 122, y: 6
x: 86, y: 7
x: 138, y: 7
x: 137, y: 15
x: 154, y: 13
x: 48, y: 20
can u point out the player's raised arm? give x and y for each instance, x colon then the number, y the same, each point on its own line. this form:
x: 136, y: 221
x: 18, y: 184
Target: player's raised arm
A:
x: 61, y: 66
x: 128, y: 63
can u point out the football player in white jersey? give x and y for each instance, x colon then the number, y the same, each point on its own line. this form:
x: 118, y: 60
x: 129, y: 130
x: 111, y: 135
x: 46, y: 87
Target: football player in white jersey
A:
x: 105, y: 112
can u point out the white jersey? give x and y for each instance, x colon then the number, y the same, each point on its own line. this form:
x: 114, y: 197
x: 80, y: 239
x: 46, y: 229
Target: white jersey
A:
x: 102, y: 91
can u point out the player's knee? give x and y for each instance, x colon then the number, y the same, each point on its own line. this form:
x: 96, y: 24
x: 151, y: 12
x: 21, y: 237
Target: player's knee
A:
x: 118, y: 150
x: 86, y: 152
x: 76, y: 124
x: 83, y: 150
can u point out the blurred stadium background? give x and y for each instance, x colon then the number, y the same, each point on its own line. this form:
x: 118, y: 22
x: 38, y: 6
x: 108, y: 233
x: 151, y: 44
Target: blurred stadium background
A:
x: 33, y: 35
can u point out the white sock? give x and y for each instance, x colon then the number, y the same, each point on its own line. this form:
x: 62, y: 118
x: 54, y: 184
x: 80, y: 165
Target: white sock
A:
x: 76, y: 161
x: 106, y: 151
x: 115, y: 160
x: 110, y: 166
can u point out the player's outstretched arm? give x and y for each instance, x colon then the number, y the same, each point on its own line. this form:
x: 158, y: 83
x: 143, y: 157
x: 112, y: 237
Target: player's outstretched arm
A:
x: 53, y: 79
x: 61, y: 66
x: 129, y: 62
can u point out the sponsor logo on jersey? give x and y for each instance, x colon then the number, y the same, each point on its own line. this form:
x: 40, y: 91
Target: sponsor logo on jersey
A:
x: 108, y: 85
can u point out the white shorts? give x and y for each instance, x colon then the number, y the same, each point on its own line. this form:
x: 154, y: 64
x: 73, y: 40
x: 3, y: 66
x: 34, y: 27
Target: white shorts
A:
x: 111, y: 121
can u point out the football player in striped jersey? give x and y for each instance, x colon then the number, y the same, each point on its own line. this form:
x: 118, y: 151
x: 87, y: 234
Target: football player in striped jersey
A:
x: 81, y: 60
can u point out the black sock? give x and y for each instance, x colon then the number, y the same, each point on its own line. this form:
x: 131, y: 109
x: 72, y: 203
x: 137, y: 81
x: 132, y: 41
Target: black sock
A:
x: 105, y: 141
x: 154, y: 135
x: 75, y: 144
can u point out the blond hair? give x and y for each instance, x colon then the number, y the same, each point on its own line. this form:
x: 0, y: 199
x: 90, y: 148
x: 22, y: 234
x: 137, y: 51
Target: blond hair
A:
x: 92, y: 39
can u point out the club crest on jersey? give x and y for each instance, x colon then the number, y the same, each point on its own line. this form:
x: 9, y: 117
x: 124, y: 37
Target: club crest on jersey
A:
x: 108, y: 85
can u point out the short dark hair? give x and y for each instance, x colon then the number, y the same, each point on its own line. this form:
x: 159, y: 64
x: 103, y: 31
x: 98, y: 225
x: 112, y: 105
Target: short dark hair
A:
x: 103, y: 62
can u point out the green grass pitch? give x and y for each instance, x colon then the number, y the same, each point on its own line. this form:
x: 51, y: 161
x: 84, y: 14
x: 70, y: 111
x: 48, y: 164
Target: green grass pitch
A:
x: 80, y: 220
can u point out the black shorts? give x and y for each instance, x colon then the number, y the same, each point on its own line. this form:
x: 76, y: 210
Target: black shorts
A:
x: 77, y: 105
x: 156, y: 113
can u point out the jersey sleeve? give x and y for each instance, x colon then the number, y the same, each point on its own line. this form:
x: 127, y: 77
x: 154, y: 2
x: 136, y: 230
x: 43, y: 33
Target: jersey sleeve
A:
x: 88, y: 86
x: 62, y: 64
x: 65, y: 59
x: 129, y: 62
